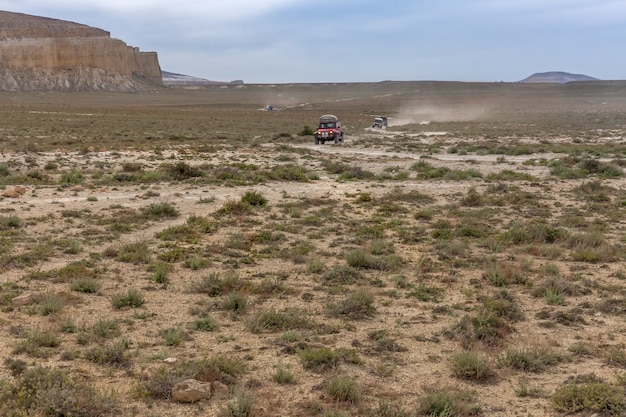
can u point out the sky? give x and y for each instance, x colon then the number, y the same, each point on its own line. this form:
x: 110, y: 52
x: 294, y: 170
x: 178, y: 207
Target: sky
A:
x: 309, y: 41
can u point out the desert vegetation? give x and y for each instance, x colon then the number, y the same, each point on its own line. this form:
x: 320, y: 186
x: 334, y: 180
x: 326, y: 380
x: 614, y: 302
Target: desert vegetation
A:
x: 448, y: 266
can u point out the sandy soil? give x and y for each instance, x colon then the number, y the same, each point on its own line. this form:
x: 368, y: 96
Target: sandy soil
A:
x: 82, y: 212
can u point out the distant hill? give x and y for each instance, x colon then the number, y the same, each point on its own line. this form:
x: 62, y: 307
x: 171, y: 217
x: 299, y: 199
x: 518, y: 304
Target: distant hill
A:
x: 556, y: 77
x: 172, y: 79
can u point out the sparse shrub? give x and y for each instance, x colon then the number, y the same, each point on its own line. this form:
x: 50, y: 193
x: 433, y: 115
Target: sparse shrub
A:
x: 234, y: 208
x: 502, y: 304
x: 315, y: 266
x: 531, y: 359
x: 160, y: 383
x: 113, y: 354
x: 72, y: 177
x: 593, y: 397
x: 4, y: 170
x: 235, y: 302
x: 134, y: 252
x: 448, y: 402
x: 525, y: 389
x: 343, y: 275
x: 50, y: 304
x: 243, y: 405
x: 472, y: 366
x: 106, y: 328
x: 254, y: 199
x: 425, y: 292
x: 283, y: 375
x: 174, y: 336
x: 10, y: 222
x: 274, y: 320
x: 223, y: 368
x: 485, y: 327
x: 384, y: 342
x: 132, y: 298
x: 16, y: 366
x: 360, y: 259
x: 553, y: 297
x: 45, y: 391
x: 503, y: 274
x: 160, y: 272
x: 320, y: 359
x: 581, y: 349
x: 306, y: 131
x: 616, y: 356
x: 472, y: 198
x: 214, y: 285
x: 182, y: 171
x: 36, y: 342
x: 205, y: 324
x: 356, y: 305
x: 342, y: 388
x: 158, y: 211
x: 85, y: 285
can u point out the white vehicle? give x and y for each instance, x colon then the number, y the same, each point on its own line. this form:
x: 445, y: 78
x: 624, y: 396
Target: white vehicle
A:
x: 380, y: 122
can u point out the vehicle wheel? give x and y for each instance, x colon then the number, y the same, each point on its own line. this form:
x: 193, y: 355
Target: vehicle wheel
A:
x: 323, y: 142
x: 317, y: 140
x: 336, y: 139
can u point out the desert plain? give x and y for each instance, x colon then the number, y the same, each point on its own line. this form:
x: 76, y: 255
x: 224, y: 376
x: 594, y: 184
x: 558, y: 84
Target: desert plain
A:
x: 468, y: 260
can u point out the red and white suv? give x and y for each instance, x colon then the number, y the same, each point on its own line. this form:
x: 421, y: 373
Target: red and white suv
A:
x: 329, y: 128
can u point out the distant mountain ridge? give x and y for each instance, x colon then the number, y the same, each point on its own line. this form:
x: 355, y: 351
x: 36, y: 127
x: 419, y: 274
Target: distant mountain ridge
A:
x: 558, y: 77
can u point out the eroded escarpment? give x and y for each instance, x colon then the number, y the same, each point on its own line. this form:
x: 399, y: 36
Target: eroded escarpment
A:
x: 38, y: 53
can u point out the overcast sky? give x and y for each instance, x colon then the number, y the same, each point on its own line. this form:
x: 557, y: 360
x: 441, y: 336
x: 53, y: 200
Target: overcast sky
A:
x: 284, y: 41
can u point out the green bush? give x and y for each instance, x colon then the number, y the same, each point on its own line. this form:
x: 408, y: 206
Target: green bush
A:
x: 472, y: 366
x: 448, y: 402
x: 592, y: 397
x: 157, y: 211
x: 342, y: 388
x: 205, y: 324
x: 320, y: 359
x: 273, y: 320
x: 85, y: 285
x: 306, y: 131
x: 44, y: 391
x: 113, y: 354
x: 132, y: 298
x: 283, y: 375
x: 357, y: 305
x: 254, y: 199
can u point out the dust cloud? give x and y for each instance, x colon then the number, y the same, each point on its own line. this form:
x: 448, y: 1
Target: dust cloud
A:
x: 424, y: 114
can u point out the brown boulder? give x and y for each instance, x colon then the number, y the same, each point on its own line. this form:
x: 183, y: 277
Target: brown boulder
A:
x: 191, y: 391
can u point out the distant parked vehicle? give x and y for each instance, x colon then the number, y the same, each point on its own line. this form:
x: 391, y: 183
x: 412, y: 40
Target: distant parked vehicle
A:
x: 329, y: 128
x: 380, y: 122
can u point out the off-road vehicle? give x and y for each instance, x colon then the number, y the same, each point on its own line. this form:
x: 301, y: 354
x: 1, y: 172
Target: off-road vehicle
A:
x: 380, y: 122
x: 329, y: 128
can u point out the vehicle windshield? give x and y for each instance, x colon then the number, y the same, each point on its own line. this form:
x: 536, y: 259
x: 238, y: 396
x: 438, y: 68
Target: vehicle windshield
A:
x: 327, y: 125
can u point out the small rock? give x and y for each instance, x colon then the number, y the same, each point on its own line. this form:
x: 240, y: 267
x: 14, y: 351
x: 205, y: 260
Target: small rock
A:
x: 220, y: 391
x: 25, y: 299
x: 170, y: 360
x: 191, y: 391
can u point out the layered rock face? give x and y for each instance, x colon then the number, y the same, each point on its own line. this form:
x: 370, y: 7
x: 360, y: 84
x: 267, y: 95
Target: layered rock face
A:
x: 38, y: 53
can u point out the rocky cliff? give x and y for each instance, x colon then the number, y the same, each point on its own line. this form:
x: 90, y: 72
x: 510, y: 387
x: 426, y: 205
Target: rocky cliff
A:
x: 38, y: 53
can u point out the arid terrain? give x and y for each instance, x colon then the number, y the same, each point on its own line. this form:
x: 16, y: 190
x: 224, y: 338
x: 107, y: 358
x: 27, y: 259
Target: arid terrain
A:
x: 468, y: 260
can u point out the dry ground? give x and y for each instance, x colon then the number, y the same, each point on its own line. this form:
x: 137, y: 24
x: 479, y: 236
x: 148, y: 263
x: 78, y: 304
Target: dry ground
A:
x: 468, y: 260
